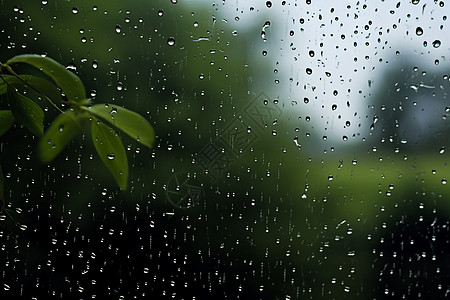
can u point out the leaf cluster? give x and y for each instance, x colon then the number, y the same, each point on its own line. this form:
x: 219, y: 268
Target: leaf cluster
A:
x: 66, y: 87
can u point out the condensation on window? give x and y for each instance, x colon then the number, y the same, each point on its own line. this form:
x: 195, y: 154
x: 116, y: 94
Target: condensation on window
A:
x: 301, y: 152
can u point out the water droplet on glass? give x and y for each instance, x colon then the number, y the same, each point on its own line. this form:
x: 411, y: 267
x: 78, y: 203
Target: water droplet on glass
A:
x: 71, y: 67
x: 171, y: 41
x: 269, y: 4
x: 111, y: 156
x: 308, y: 71
x: 95, y: 64
x: 160, y: 13
x: 436, y: 43
x: 444, y: 181
x: 118, y: 28
x: 119, y: 86
x: 74, y: 10
x: 330, y: 177
x: 44, y: 2
x: 61, y: 127
x: 419, y: 31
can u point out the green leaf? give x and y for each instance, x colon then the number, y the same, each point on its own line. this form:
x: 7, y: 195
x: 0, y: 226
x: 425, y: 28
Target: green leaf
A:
x: 126, y: 120
x: 6, y: 121
x: 26, y: 111
x: 68, y: 81
x: 64, y: 128
x: 9, y: 79
x: 46, y: 87
x: 110, y: 149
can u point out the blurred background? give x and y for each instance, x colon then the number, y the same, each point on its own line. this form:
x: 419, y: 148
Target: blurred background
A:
x: 301, y: 152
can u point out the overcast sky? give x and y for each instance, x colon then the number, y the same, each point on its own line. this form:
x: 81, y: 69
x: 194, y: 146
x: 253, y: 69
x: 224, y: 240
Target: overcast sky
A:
x: 354, y: 42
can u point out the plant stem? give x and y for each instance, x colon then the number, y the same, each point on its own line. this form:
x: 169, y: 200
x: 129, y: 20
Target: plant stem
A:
x: 10, y: 70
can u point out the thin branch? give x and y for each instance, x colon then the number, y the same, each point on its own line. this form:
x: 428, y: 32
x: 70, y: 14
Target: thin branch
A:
x: 29, y: 85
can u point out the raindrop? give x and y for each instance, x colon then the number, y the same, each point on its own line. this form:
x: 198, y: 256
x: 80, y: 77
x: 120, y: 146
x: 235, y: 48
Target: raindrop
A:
x: 44, y: 2
x: 71, y: 67
x: 436, y: 43
x: 444, y: 181
x: 118, y: 28
x: 174, y: 1
x: 95, y: 64
x: 61, y: 127
x: 74, y: 10
x: 334, y: 107
x: 419, y: 31
x: 330, y: 177
x: 269, y: 4
x: 308, y: 71
x: 119, y: 86
x: 415, y: 2
x: 111, y: 156
x: 171, y: 41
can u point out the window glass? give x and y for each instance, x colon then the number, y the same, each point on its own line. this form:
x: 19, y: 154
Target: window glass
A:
x: 301, y: 152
